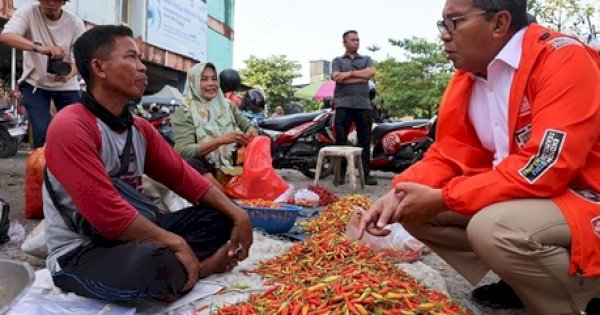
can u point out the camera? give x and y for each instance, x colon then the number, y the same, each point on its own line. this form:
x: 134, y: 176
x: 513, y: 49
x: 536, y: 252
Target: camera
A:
x: 58, y: 67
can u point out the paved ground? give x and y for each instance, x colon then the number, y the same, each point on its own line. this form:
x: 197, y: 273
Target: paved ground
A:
x: 11, y: 190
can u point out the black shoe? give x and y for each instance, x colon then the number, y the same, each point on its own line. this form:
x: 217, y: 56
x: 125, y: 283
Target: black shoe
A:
x: 369, y: 180
x: 342, y: 180
x: 497, y: 295
x: 593, y: 307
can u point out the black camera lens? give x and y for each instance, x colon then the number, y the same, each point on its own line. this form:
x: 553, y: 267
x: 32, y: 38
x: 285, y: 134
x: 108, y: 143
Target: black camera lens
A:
x: 58, y: 67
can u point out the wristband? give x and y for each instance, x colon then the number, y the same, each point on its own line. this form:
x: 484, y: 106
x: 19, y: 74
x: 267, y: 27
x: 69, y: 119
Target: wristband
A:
x: 35, y: 46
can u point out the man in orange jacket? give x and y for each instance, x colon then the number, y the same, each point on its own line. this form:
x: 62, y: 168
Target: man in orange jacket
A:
x: 512, y: 182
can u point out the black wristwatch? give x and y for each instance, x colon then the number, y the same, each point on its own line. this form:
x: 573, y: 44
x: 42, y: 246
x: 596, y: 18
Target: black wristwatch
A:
x: 35, y: 46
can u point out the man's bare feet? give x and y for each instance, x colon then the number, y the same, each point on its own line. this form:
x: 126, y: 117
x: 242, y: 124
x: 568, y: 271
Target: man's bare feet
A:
x: 218, y: 262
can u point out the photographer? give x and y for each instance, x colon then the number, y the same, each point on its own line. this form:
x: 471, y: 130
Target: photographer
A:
x: 45, y: 32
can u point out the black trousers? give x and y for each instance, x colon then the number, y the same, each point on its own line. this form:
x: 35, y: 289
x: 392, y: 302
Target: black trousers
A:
x: 117, y: 271
x: 363, y: 119
x: 201, y: 165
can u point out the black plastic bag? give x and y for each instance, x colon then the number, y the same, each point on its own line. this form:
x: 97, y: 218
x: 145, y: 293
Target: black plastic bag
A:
x: 4, y: 223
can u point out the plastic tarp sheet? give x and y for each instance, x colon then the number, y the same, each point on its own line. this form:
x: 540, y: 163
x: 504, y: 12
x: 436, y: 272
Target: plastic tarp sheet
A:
x: 45, y: 298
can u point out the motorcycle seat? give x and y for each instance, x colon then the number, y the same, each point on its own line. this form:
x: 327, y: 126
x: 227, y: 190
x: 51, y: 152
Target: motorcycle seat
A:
x: 384, y: 128
x: 287, y: 122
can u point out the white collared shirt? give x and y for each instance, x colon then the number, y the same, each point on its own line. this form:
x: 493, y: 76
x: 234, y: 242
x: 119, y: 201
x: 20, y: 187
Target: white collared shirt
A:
x: 488, y: 107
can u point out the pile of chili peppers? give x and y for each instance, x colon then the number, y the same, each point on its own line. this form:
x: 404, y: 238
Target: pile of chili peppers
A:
x: 333, y: 218
x: 328, y: 274
x: 326, y: 197
x: 258, y: 202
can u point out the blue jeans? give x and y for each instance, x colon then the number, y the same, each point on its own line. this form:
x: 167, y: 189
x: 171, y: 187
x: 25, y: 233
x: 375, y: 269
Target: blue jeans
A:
x: 37, y: 105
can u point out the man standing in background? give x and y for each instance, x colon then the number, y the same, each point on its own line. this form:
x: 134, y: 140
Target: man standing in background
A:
x: 45, y: 31
x: 352, y: 73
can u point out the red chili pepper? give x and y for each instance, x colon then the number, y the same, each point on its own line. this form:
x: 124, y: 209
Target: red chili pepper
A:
x: 328, y: 274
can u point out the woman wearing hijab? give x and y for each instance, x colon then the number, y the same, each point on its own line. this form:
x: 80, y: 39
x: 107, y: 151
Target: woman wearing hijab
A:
x: 208, y: 128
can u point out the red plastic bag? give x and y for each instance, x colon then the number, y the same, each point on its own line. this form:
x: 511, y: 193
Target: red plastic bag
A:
x: 259, y: 179
x: 34, y: 178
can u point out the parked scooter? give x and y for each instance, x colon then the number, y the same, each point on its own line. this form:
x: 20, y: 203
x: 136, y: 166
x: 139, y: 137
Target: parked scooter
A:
x: 158, y: 116
x: 162, y: 123
x: 253, y: 105
x: 398, y: 145
x: 13, y: 129
x: 297, y: 139
x: 395, y: 145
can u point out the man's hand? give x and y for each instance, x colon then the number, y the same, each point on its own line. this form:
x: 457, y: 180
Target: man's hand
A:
x: 420, y: 202
x: 383, y: 211
x: 241, y: 235
x: 342, y: 76
x: 144, y: 230
x: 190, y: 262
x: 53, y: 52
x: 407, y: 202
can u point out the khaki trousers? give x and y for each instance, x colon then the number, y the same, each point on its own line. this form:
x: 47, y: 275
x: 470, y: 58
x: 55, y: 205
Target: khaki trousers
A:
x: 525, y: 242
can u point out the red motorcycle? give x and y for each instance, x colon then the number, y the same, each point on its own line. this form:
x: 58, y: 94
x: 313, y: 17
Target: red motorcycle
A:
x: 297, y: 139
x: 395, y: 145
x: 398, y: 145
x: 159, y: 116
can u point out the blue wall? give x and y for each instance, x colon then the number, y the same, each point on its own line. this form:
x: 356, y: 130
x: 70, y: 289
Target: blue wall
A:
x: 222, y: 10
x: 220, y: 48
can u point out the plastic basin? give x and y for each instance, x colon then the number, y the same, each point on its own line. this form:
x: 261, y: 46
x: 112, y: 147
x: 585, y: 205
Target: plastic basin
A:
x: 15, y: 279
x: 273, y: 220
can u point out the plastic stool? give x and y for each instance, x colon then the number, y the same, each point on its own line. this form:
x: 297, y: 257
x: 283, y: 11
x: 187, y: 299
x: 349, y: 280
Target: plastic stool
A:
x: 351, y: 154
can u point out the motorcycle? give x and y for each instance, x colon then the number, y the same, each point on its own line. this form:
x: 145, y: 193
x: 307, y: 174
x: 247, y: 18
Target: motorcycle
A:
x: 297, y: 139
x: 255, y: 118
x: 13, y: 129
x: 395, y: 145
x: 398, y: 145
x: 158, y: 116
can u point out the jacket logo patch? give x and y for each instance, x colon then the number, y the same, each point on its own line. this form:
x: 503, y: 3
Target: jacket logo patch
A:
x: 561, y: 42
x: 596, y: 225
x: 589, y: 195
x: 522, y: 135
x: 525, y: 108
x: 548, y: 153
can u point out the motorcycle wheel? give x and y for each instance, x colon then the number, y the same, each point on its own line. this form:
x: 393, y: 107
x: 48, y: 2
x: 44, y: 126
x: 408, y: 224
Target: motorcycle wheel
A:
x: 326, y: 169
x: 8, y: 144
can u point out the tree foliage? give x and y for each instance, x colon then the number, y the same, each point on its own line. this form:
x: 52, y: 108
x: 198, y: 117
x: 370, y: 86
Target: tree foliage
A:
x: 373, y: 48
x: 563, y: 15
x: 413, y: 87
x: 311, y: 106
x: 274, y: 76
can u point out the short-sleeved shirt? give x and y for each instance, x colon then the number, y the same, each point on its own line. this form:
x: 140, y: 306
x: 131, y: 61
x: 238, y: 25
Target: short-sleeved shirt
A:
x: 354, y: 95
x: 29, y: 22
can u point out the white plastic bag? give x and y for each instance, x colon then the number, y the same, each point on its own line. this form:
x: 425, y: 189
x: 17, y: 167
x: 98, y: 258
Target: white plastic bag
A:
x: 287, y: 194
x: 399, y: 245
x: 35, y: 242
x: 16, y: 232
x: 306, y: 198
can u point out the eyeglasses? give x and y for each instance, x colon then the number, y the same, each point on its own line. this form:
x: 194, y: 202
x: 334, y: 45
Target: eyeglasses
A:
x: 449, y: 24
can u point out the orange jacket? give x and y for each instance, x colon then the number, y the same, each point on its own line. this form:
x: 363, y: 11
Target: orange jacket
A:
x: 554, y: 148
